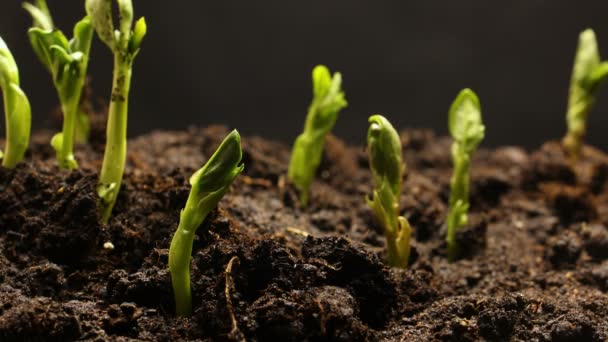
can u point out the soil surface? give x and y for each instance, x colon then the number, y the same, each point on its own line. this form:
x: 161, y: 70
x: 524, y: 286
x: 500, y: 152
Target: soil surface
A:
x: 533, y: 267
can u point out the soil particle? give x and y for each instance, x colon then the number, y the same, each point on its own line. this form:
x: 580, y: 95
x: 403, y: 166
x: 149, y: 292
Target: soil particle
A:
x: 595, y: 238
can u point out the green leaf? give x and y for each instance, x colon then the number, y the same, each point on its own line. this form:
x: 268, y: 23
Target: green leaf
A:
x: 100, y: 12
x: 40, y: 14
x: 597, y: 77
x: 125, y: 13
x: 464, y: 120
x: 42, y: 41
x: 19, y: 120
x: 223, y: 166
x: 328, y: 100
x: 139, y: 32
x: 384, y: 150
x: 83, y: 35
x: 321, y: 81
x: 8, y: 68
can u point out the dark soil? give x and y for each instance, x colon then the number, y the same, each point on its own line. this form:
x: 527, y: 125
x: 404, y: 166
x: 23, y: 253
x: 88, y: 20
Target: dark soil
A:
x: 534, y: 265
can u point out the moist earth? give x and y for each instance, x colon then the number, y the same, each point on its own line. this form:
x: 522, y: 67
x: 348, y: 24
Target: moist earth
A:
x: 533, y: 264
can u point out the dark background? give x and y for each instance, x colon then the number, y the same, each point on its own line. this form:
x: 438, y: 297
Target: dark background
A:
x: 247, y: 63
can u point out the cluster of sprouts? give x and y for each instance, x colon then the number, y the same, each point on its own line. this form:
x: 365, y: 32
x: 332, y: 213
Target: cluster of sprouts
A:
x: 67, y: 61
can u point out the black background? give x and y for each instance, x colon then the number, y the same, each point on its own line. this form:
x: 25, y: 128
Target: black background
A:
x: 247, y: 63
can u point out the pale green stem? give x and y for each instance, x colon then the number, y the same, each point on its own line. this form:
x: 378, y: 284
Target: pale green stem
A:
x: 116, y: 135
x: 459, y: 190
x: 180, y: 253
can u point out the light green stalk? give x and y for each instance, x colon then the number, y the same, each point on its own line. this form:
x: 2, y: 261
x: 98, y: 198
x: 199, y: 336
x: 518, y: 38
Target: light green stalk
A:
x: 124, y: 43
x: 323, y: 112
x: 17, y: 111
x: 384, y: 150
x: 588, y: 73
x: 209, y: 184
x: 468, y: 131
x: 67, y: 61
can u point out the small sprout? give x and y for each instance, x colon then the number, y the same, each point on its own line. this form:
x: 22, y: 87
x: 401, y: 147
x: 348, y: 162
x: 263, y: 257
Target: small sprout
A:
x: 322, y: 115
x: 209, y: 184
x: 124, y: 43
x: 384, y: 149
x: 587, y: 75
x: 67, y: 61
x: 468, y: 131
x: 17, y: 110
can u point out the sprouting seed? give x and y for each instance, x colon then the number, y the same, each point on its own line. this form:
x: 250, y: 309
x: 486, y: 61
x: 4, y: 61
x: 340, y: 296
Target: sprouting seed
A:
x: 384, y: 150
x: 323, y: 112
x: 467, y: 130
x: 209, y: 184
x: 587, y: 75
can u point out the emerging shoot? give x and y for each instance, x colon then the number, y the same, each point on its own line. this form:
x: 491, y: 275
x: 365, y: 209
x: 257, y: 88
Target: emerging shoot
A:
x: 588, y: 73
x: 17, y: 112
x: 67, y: 62
x: 384, y: 150
x: 323, y: 112
x: 468, y: 131
x: 209, y: 184
x: 124, y: 43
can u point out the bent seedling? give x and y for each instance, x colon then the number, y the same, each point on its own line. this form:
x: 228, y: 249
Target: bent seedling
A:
x: 467, y: 130
x: 209, y: 184
x: 67, y: 61
x: 384, y: 150
x: 323, y: 112
x: 17, y: 111
x: 124, y: 43
x: 587, y: 75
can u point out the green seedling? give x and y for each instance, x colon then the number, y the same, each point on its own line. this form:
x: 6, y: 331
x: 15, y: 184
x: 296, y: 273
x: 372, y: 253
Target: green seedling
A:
x: 384, y: 150
x: 17, y: 111
x: 327, y: 102
x: 124, y: 43
x: 468, y: 131
x: 587, y: 75
x: 209, y: 184
x: 67, y: 61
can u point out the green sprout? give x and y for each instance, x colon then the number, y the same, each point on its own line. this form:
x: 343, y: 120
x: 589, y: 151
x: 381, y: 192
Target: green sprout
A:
x: 209, y: 184
x: 67, y: 61
x: 124, y: 43
x: 468, y: 131
x: 17, y: 110
x: 588, y: 73
x: 384, y: 149
x: 322, y: 115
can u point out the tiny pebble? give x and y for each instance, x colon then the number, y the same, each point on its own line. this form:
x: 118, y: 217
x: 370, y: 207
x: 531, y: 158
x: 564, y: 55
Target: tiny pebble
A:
x: 108, y: 245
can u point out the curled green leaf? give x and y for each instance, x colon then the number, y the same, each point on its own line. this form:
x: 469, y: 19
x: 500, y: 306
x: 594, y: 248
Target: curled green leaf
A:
x: 467, y: 130
x: 328, y: 100
x: 588, y: 74
x: 384, y: 151
x: 17, y: 110
x: 209, y: 185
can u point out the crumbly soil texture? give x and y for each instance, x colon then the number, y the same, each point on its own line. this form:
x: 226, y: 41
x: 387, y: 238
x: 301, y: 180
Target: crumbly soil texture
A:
x: 533, y: 262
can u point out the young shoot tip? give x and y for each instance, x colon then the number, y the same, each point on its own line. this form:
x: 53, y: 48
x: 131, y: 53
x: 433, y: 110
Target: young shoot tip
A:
x: 384, y: 151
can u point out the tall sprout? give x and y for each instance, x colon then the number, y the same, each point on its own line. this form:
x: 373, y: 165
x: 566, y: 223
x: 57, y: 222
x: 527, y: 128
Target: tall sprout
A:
x: 587, y: 75
x: 385, y: 161
x: 467, y: 130
x: 209, y: 185
x: 67, y: 61
x: 124, y: 43
x: 17, y: 111
x: 323, y: 112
